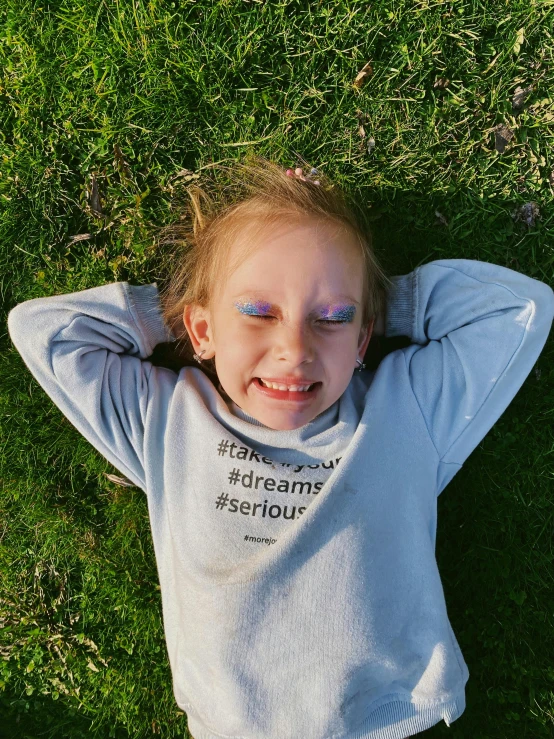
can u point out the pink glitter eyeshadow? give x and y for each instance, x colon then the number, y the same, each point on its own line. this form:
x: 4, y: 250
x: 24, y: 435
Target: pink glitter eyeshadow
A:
x: 339, y: 312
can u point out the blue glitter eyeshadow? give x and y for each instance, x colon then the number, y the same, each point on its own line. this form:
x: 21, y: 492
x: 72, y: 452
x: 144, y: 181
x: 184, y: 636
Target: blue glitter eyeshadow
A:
x: 339, y: 313
x: 259, y: 308
x: 331, y: 312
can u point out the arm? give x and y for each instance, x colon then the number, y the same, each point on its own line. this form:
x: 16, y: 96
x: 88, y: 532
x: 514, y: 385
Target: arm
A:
x: 478, y: 329
x: 87, y: 351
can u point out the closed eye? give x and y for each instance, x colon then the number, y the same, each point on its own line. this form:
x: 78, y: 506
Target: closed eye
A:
x: 321, y: 320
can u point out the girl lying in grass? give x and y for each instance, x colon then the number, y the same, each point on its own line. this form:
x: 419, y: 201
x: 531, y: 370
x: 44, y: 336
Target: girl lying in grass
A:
x: 292, y: 492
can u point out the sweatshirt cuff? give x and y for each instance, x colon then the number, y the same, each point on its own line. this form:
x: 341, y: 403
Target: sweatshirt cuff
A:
x: 145, y: 304
x: 400, y: 306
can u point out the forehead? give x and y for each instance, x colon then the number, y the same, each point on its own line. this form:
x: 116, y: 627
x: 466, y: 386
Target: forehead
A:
x: 308, y: 257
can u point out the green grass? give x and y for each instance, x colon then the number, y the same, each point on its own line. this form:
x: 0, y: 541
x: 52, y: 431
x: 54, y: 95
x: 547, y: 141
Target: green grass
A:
x: 178, y: 85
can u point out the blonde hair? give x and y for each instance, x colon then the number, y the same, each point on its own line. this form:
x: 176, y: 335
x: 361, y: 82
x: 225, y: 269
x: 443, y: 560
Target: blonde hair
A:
x: 258, y: 195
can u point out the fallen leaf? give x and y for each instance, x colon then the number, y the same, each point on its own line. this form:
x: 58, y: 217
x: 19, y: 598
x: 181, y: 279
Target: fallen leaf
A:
x: 363, y: 74
x: 528, y: 213
x: 441, y: 218
x: 362, y: 119
x: 92, y: 666
x: 370, y: 144
x: 519, y: 40
x: 94, y: 197
x: 120, y: 163
x: 186, y: 173
x: 502, y: 135
x: 519, y: 96
x: 441, y: 83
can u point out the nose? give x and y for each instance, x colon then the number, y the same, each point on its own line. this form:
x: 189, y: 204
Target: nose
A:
x: 294, y: 344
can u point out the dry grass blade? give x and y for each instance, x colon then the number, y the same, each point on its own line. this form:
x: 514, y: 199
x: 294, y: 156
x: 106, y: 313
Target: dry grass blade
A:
x: 79, y: 237
x: 123, y: 481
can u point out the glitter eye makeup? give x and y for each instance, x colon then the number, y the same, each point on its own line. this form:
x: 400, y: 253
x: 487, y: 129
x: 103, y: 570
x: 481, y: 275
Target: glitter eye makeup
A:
x: 257, y: 308
x: 339, y: 313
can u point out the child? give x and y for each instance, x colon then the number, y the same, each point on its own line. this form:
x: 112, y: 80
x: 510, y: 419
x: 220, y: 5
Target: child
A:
x: 294, y: 530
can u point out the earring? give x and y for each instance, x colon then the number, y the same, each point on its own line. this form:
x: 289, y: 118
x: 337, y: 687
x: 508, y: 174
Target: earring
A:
x: 197, y: 356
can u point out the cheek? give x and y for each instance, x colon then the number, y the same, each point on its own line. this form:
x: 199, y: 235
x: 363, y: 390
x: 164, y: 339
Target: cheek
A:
x: 230, y: 333
x: 239, y: 346
x: 343, y: 339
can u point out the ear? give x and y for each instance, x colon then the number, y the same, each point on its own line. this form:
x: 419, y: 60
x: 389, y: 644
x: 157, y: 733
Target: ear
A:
x: 199, y: 327
x: 363, y: 340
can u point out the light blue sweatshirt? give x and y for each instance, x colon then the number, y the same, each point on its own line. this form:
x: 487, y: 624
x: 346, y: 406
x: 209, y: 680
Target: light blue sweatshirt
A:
x: 300, y: 591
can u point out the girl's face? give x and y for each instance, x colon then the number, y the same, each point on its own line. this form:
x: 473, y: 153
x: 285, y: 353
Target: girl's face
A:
x: 290, y: 313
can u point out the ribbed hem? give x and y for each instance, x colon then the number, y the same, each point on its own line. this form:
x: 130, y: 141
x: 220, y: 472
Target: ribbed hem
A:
x: 400, y: 305
x: 237, y: 411
x: 144, y: 303
x: 392, y: 720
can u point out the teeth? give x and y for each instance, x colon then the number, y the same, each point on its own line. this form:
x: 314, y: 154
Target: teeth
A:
x: 294, y: 388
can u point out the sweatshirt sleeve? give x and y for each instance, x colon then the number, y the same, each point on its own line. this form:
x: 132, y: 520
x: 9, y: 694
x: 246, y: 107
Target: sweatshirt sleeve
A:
x: 478, y: 329
x: 88, y: 352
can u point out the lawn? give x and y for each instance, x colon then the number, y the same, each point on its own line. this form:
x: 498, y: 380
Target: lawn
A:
x: 445, y: 140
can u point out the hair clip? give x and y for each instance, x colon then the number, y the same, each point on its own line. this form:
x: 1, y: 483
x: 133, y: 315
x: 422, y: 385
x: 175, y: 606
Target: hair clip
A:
x: 308, y: 177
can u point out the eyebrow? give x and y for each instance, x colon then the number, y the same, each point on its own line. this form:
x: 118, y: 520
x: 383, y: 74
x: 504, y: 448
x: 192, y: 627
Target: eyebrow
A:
x: 260, y: 293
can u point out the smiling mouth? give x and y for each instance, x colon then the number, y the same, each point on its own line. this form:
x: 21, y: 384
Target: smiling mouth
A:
x: 294, y: 395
